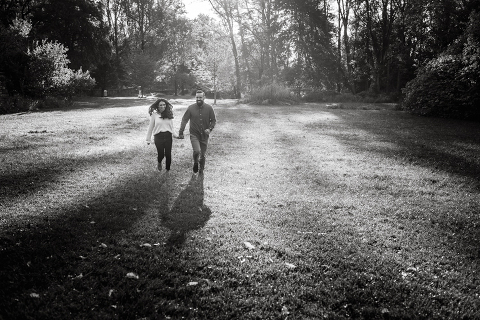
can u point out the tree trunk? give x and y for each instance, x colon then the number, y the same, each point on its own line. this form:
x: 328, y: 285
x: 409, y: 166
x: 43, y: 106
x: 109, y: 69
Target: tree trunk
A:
x: 224, y: 9
x: 237, y: 64
x: 244, y: 48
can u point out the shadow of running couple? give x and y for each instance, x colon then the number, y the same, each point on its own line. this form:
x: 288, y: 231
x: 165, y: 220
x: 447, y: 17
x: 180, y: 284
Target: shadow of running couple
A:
x: 188, y: 212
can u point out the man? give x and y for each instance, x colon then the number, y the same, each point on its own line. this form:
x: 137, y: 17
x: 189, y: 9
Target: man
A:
x: 202, y: 121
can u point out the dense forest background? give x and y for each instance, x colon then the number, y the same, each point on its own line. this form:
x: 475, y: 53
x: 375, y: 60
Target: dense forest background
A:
x: 424, y: 53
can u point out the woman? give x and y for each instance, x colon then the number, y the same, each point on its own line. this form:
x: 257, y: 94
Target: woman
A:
x: 161, y: 126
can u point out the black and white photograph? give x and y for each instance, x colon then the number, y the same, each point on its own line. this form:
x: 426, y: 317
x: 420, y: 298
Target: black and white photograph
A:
x: 239, y: 159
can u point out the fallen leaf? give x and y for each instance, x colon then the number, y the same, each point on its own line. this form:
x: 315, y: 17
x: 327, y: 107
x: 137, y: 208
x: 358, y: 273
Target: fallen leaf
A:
x: 132, y: 275
x: 146, y: 245
x: 110, y: 292
x: 285, y: 311
x: 103, y: 245
x: 82, y: 257
x: 193, y: 283
x: 249, y: 245
x: 34, y: 295
x: 289, y: 265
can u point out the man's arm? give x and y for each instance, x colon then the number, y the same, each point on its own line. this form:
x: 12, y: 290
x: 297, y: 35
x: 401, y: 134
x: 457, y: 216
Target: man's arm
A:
x: 213, y: 119
x: 185, y: 119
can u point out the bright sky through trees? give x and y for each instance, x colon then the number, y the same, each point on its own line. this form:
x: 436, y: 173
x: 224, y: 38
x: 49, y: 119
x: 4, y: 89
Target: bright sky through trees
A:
x: 195, y: 7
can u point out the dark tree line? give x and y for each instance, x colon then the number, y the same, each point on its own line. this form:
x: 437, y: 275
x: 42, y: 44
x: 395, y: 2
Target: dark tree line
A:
x: 359, y: 47
x: 384, y: 42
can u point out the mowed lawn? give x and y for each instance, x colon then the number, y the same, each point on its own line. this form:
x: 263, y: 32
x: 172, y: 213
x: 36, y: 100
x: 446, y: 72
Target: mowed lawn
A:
x: 303, y: 212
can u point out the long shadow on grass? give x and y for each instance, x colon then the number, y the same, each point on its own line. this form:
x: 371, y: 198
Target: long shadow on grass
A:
x: 36, y: 255
x: 444, y: 145
x: 354, y: 277
x: 420, y: 141
x: 187, y: 213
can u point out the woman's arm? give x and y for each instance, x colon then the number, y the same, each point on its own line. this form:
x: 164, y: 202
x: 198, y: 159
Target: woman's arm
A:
x: 150, y: 128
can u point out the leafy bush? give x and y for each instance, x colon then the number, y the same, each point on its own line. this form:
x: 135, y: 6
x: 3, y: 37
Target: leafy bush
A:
x: 320, y: 96
x: 50, y: 74
x: 17, y: 103
x: 449, y: 85
x: 271, y: 94
x: 334, y: 97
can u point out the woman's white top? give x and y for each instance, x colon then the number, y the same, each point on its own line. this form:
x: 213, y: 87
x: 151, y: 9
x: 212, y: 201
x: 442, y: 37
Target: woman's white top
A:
x: 157, y: 124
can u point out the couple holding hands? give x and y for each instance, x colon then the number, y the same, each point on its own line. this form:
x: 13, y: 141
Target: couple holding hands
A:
x: 202, y: 121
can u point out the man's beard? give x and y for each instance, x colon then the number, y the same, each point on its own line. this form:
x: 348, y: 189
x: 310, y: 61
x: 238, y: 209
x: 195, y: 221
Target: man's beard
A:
x: 199, y: 103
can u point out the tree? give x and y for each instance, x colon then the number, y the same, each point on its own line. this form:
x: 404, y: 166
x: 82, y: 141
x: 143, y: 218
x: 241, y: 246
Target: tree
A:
x: 216, y: 63
x: 226, y: 11
x: 142, y: 70
x: 310, y: 36
x: 77, y: 24
x: 345, y: 64
x: 264, y: 22
x: 15, y: 9
x: 14, y: 58
x: 178, y: 56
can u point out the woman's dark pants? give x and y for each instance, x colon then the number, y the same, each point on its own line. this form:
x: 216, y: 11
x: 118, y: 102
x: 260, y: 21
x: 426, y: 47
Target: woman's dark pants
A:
x: 163, y: 142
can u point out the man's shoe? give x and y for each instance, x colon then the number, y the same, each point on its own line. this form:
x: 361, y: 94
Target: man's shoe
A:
x: 195, y: 167
x: 159, y: 166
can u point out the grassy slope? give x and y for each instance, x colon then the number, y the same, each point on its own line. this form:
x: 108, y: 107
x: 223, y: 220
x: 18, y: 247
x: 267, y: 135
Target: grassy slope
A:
x: 376, y: 210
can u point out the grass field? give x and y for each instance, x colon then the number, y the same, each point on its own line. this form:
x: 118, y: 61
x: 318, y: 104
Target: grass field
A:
x: 303, y: 212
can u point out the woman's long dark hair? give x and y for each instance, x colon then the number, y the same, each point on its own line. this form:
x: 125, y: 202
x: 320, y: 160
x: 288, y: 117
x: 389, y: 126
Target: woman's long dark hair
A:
x: 167, y: 113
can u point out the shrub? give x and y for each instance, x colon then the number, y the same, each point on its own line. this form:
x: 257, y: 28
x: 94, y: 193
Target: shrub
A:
x: 50, y: 74
x: 449, y: 85
x: 78, y: 82
x: 17, y: 103
x: 321, y: 96
x: 334, y: 97
x: 271, y: 94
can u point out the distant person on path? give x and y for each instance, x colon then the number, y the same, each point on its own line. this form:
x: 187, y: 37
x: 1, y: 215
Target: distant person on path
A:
x: 161, y: 126
x: 202, y: 121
